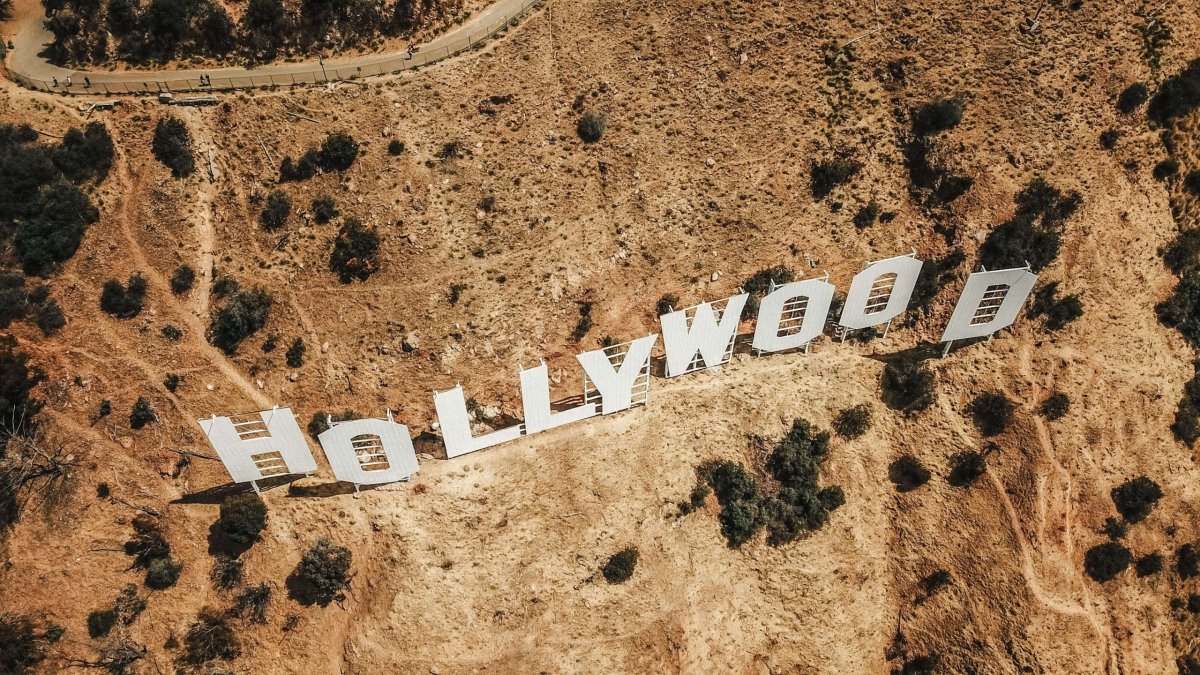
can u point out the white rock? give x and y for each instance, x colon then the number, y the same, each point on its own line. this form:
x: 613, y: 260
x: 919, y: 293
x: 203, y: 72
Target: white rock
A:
x: 715, y: 276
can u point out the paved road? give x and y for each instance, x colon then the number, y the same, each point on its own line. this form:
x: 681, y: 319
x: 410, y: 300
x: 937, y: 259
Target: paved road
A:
x: 30, y: 37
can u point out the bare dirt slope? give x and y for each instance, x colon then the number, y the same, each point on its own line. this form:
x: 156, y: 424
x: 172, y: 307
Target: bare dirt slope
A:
x: 715, y: 111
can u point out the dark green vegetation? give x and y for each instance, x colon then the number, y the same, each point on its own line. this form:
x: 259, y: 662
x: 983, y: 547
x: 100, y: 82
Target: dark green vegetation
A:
x: 1058, y: 311
x: 666, y: 304
x: 43, y: 209
x: 1056, y: 407
x: 123, y: 301
x: 966, y: 467
x: 320, y: 420
x: 1135, y: 498
x: 277, y: 211
x: 141, y: 414
x: 172, y: 146
x: 620, y: 566
x: 932, y: 183
x: 242, y: 518
x: 1033, y: 235
x: 244, y: 314
x: 252, y: 602
x: 853, y: 422
x: 295, y: 353
x: 182, y: 279
x: 322, y: 575
x: 591, y: 127
x: 210, y: 637
x: 18, y: 302
x: 828, y: 174
x: 152, y: 553
x: 1132, y: 98
x: 1103, y: 562
x: 20, y: 645
x: 324, y: 210
x: 907, y: 386
x: 907, y: 473
x: 759, y: 285
x: 156, y: 31
x: 100, y: 622
x: 355, y: 252
x: 991, y: 412
x: 585, y: 321
x: 799, y: 505
x: 337, y: 153
x: 1149, y: 564
x: 227, y: 572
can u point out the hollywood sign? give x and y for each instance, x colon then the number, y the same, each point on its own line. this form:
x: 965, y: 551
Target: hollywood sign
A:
x: 374, y: 451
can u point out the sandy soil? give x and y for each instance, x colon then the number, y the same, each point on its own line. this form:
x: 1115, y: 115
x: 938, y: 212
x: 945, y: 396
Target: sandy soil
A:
x: 489, y: 562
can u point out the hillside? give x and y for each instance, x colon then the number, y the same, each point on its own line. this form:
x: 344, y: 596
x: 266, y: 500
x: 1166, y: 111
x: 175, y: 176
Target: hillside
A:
x: 498, y: 224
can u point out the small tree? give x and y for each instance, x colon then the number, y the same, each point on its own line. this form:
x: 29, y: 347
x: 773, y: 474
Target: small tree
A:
x: 245, y: 314
x: 666, y: 304
x: 991, y: 412
x: 173, y: 146
x: 85, y: 155
x: 123, y: 301
x: 853, y: 422
x: 338, y: 152
x: 50, y: 317
x: 395, y: 148
x: 1135, y: 498
x: 1149, y: 564
x: 142, y: 413
x: 322, y: 575
x: 277, y: 211
x: 163, y: 573
x: 907, y: 473
x: 227, y: 572
x: 591, y: 127
x: 324, y: 210
x: 1104, y: 562
x: 934, y: 118
x: 243, y: 517
x: 210, y: 637
x: 828, y: 174
x: 620, y: 566
x: 1056, y: 407
x: 355, y: 252
x: 252, y: 603
x: 907, y: 386
x: 100, y: 622
x: 295, y: 353
x: 183, y: 279
x: 966, y: 468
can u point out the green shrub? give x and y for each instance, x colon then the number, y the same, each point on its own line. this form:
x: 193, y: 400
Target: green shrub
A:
x: 591, y: 127
x: 183, y: 279
x: 210, y: 637
x: 1181, y: 310
x: 253, y: 601
x: 1056, y: 407
x: 966, y: 468
x: 172, y: 382
x: 243, y: 517
x: 666, y: 304
x: 245, y: 314
x: 1135, y: 498
x: 907, y: 386
x: 277, y: 211
x: 585, y: 321
x: 395, y: 148
x: 355, y: 252
x: 853, y: 422
x: 1178, y: 96
x: 938, y: 116
x: 295, y: 353
x: 907, y: 473
x: 828, y: 174
x: 85, y: 155
x: 1191, y: 183
x: 227, y: 572
x: 50, y: 317
x: 1149, y: 565
x: 759, y: 285
x: 173, y: 147
x: 52, y: 226
x: 301, y: 169
x: 1132, y: 98
x: 123, y: 301
x: 1165, y: 169
x: 142, y: 413
x: 991, y: 412
x: 1109, y: 138
x: 867, y: 215
x: 1104, y: 562
x: 19, y: 648
x: 163, y: 573
x: 338, y: 151
x: 322, y: 575
x: 1033, y: 235
x: 1187, y: 562
x: 148, y: 542
x: 620, y: 566
x: 100, y: 622
x: 324, y: 210
x: 320, y: 420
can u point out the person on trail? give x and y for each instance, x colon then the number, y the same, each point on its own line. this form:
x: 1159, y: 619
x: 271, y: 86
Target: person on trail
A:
x: 56, y: 82
x: 68, y: 80
x: 87, y: 82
